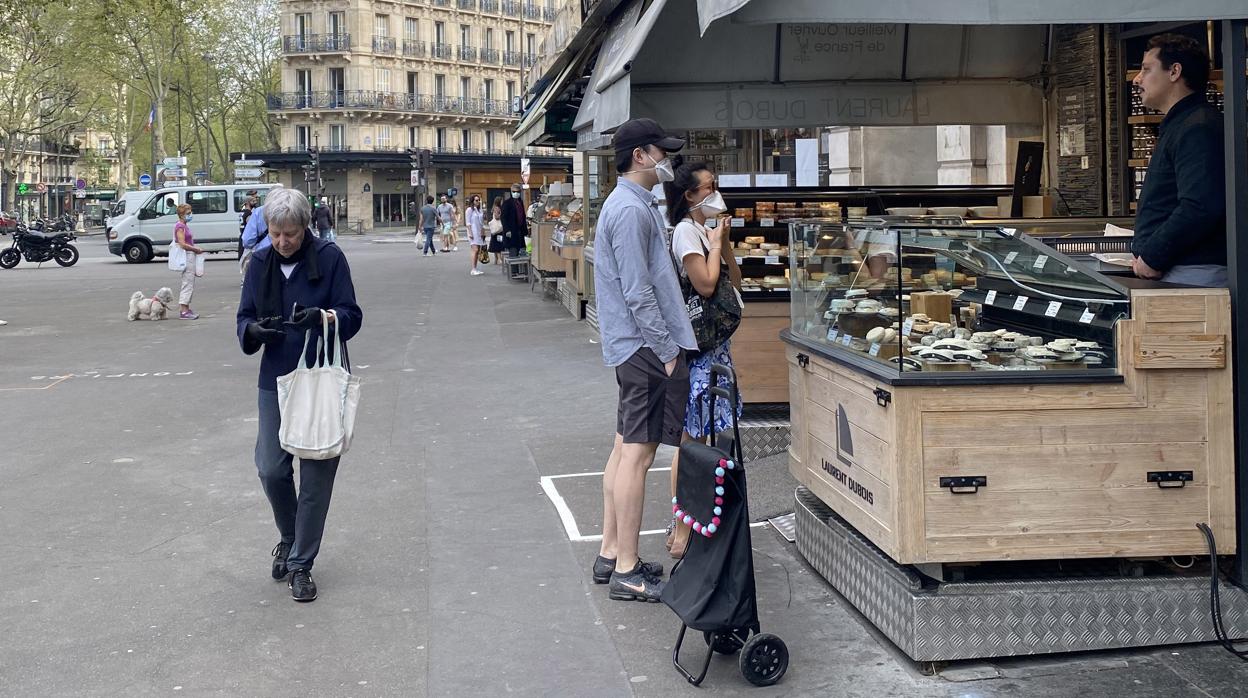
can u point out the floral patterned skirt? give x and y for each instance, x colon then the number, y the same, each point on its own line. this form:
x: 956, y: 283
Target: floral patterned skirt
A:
x: 697, y: 412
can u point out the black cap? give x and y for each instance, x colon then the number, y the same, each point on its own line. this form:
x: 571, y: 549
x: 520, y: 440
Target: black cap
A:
x: 638, y: 133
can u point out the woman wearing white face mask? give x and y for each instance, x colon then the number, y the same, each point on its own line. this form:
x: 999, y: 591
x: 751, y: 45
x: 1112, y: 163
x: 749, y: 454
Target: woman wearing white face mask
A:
x: 702, y: 253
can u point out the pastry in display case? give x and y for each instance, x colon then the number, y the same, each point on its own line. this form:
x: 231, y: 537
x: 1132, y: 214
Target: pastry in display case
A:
x: 924, y: 299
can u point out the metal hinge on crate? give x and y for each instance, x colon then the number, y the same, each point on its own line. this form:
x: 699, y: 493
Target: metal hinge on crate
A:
x: 883, y: 397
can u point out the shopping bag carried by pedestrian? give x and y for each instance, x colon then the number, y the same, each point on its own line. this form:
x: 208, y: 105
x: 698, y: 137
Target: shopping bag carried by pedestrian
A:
x: 483, y: 255
x: 318, y: 400
x: 714, y: 319
x: 199, y: 264
x: 177, y: 257
x: 331, y: 235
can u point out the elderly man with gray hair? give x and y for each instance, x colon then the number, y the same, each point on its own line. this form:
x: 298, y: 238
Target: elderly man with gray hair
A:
x: 289, y: 287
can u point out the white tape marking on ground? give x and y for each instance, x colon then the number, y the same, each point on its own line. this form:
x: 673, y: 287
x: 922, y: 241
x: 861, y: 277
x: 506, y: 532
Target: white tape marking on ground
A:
x: 569, y: 521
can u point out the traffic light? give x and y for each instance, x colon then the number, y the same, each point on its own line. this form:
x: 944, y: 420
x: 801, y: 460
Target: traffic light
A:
x: 413, y: 155
x: 315, y: 154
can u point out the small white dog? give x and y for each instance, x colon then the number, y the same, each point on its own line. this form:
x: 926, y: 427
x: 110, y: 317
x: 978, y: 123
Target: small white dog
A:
x: 154, y: 308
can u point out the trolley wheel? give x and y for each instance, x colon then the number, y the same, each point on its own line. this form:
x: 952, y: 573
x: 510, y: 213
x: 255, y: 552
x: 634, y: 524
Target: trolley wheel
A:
x: 723, y: 642
x: 764, y: 659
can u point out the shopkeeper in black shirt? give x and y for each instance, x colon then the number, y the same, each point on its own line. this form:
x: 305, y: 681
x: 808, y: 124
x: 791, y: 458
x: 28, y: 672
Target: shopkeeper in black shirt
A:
x: 1180, y: 225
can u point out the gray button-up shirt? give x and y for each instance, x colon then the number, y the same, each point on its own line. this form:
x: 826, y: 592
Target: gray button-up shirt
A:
x: 635, y: 285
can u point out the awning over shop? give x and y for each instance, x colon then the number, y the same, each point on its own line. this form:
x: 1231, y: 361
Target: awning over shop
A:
x: 785, y: 75
x: 534, y: 124
x: 966, y: 11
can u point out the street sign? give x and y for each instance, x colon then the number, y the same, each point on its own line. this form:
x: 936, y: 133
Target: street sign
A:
x: 173, y: 162
x: 80, y: 194
x: 145, y: 180
x: 80, y: 183
x: 415, y: 178
x: 248, y: 163
x: 201, y: 173
x: 248, y: 172
x: 175, y: 173
x: 41, y: 188
x: 23, y: 189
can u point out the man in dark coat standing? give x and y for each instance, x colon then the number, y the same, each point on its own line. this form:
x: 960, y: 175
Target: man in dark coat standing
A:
x: 515, y: 224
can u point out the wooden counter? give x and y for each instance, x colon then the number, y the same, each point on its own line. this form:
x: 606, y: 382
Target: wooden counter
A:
x: 758, y: 355
x: 1067, y: 465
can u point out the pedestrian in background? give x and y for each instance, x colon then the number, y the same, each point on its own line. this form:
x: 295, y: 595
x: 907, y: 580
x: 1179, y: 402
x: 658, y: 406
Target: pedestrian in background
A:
x: 645, y: 333
x: 695, y: 207
x: 496, y: 242
x: 183, y: 238
x: 447, y: 219
x: 324, y: 221
x: 429, y: 222
x: 296, y: 270
x: 515, y: 225
x: 476, y: 231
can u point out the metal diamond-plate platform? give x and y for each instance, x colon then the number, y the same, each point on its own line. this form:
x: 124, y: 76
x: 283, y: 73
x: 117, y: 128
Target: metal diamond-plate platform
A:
x: 764, y: 430
x: 933, y: 621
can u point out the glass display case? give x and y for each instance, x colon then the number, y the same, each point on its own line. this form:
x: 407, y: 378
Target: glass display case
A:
x: 944, y: 301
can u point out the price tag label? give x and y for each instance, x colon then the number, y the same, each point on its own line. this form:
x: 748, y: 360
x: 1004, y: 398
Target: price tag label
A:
x: 991, y: 298
x: 1009, y: 258
x: 833, y: 334
x: 1051, y: 311
x: 874, y: 350
x: 766, y: 222
x: 847, y: 340
x: 907, y: 327
x: 772, y: 259
x: 1038, y: 265
x: 1087, y: 317
x: 736, y: 223
x: 1020, y: 302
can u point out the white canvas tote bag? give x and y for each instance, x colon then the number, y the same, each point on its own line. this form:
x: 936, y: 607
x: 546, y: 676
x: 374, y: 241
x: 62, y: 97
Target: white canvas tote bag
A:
x: 177, y: 257
x: 318, y: 402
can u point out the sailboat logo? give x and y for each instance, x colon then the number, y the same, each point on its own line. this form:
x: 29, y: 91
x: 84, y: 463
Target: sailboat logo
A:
x: 844, y: 442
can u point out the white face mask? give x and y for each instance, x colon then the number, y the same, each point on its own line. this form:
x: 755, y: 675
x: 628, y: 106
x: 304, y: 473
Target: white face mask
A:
x: 713, y: 205
x: 662, y: 169
x: 515, y: 195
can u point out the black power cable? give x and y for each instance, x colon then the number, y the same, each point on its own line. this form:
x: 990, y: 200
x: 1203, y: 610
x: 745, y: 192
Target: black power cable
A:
x: 1215, y: 598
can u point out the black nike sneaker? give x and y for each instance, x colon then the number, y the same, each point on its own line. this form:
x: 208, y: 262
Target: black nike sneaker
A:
x: 302, y: 588
x: 280, y: 552
x: 635, y: 586
x: 604, y: 567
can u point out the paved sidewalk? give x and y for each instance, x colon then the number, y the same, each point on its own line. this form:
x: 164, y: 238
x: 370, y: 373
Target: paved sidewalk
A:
x: 135, y: 559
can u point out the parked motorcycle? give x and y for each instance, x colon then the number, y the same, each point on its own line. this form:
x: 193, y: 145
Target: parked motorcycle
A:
x: 39, y: 247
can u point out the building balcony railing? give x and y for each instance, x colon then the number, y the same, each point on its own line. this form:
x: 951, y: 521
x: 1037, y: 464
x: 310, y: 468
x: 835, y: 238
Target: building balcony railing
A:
x: 467, y: 53
x: 316, y: 43
x: 530, y: 60
x: 511, y: 8
x: 441, y: 3
x: 532, y: 11
x: 466, y: 4
x: 549, y: 14
x: 489, y: 6
x: 443, y: 51
x: 389, y: 101
x: 490, y: 56
x: 511, y: 58
x: 415, y: 48
x: 384, y: 44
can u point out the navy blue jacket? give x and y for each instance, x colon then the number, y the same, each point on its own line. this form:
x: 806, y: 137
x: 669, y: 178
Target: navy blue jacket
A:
x: 1181, y: 217
x: 334, y: 291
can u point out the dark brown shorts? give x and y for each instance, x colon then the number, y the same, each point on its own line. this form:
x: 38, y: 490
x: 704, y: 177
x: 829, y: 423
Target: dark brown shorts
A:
x: 652, y: 404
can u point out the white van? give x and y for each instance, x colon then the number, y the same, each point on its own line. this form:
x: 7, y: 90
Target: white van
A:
x: 147, y: 231
x: 131, y: 201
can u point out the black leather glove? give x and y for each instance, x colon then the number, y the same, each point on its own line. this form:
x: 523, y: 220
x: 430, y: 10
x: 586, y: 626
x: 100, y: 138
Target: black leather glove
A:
x: 305, y: 318
x: 266, y: 331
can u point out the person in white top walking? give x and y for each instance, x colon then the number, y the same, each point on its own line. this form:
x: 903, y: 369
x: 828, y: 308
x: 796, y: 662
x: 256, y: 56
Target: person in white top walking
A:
x: 702, y: 253
x: 476, y: 231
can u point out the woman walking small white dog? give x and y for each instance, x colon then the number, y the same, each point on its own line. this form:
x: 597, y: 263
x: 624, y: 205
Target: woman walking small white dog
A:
x: 183, y: 238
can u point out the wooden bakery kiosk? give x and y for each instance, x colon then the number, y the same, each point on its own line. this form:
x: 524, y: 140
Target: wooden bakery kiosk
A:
x: 969, y: 395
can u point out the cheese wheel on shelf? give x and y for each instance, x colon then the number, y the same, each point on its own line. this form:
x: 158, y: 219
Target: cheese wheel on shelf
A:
x: 755, y: 239
x: 769, y: 246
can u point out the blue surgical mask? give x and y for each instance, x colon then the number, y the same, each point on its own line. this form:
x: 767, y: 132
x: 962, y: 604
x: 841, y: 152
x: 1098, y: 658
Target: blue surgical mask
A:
x: 189, y: 216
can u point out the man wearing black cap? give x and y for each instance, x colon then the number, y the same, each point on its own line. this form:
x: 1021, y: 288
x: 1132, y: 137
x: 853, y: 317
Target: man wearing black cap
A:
x: 645, y: 333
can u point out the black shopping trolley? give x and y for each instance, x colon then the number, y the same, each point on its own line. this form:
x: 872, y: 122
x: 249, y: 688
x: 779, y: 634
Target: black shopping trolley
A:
x: 712, y: 587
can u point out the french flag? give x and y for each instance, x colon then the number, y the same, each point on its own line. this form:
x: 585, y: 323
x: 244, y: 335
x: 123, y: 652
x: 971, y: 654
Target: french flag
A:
x: 151, y: 118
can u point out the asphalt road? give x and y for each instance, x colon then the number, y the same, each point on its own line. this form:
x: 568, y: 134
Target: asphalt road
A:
x: 134, y: 537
